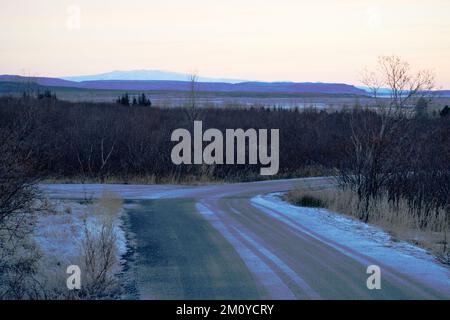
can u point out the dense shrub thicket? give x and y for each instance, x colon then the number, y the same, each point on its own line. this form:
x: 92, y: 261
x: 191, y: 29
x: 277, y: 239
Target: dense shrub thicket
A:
x: 100, y: 141
x: 127, y: 143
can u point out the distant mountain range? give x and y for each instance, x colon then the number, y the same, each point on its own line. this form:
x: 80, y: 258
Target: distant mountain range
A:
x: 158, y: 75
x: 214, y: 85
x: 158, y: 80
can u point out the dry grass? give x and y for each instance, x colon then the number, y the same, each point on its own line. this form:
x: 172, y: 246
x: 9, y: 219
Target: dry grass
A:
x: 399, y: 219
x: 206, y: 176
x: 69, y: 233
x: 100, y: 252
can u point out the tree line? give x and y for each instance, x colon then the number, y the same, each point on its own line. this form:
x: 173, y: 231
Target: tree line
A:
x: 65, y: 140
x: 140, y: 100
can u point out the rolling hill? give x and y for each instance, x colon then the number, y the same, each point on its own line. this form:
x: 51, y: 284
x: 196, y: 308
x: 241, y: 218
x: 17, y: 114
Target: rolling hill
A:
x: 171, y: 85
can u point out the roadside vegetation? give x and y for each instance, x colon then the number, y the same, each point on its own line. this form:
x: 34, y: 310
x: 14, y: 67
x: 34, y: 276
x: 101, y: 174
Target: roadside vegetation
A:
x: 110, y: 143
x: 391, y: 165
x: 399, y: 219
x: 35, y: 260
x: 39, y: 239
x: 396, y: 172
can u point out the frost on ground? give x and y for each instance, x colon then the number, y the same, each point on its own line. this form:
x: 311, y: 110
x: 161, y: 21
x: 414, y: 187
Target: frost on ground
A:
x: 343, y: 232
x: 86, y: 234
x: 129, y: 192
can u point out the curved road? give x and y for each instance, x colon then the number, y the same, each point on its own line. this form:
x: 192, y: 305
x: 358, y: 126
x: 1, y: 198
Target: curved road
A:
x: 213, y: 242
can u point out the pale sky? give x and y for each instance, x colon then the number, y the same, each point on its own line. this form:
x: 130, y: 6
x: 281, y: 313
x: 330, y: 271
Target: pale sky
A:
x: 269, y: 40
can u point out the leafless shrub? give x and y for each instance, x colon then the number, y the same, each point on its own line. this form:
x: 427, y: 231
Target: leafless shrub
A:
x: 97, y: 255
x: 100, y: 247
x: 17, y: 180
x: 18, y: 176
x: 19, y: 261
x: 193, y: 112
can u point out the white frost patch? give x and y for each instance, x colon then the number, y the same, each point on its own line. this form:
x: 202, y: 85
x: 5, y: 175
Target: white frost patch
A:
x: 60, y: 232
x: 368, y: 240
x: 129, y: 192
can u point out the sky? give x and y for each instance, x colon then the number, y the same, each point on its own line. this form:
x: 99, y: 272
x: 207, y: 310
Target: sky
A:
x: 267, y: 40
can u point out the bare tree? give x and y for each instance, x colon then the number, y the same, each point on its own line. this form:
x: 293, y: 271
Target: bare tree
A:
x: 371, y: 80
x: 379, y: 141
x: 18, y: 191
x: 372, y: 155
x: 18, y: 173
x: 402, y: 82
x: 192, y: 111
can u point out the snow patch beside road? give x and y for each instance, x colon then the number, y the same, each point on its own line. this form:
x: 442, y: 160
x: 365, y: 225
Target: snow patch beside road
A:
x: 60, y: 232
x: 125, y: 191
x: 345, y: 233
